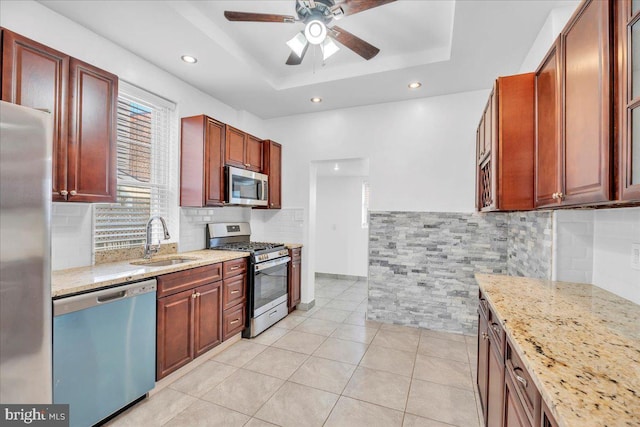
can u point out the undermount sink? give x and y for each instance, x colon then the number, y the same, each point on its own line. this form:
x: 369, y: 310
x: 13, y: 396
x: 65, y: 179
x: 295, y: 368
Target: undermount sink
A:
x: 163, y: 262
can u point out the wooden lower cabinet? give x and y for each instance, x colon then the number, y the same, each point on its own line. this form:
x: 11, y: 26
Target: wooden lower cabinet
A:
x: 490, y: 369
x: 174, y: 336
x: 514, y: 415
x: 207, y: 329
x: 295, y: 278
x: 233, y: 321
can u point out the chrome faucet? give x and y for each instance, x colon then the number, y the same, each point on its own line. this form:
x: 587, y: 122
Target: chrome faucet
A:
x: 150, y: 249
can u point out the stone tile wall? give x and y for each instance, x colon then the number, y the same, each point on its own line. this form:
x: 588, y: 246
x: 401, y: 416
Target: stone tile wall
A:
x: 422, y: 266
x: 529, y: 245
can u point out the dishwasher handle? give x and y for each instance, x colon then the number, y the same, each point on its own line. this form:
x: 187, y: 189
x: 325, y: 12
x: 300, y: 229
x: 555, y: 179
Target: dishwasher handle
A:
x: 106, y: 296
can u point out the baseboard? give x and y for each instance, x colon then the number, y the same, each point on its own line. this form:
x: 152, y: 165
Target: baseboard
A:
x: 339, y: 276
x: 306, y: 306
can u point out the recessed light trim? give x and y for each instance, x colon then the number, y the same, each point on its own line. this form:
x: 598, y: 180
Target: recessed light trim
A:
x: 414, y: 85
x: 189, y: 59
x: 316, y: 100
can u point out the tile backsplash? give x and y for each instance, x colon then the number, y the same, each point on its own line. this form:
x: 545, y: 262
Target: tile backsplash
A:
x: 193, y: 221
x: 529, y: 247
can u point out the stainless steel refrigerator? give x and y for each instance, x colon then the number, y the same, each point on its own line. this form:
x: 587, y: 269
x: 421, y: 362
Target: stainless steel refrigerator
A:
x: 25, y: 254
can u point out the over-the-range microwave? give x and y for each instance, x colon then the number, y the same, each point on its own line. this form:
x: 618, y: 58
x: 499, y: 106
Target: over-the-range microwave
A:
x: 244, y: 187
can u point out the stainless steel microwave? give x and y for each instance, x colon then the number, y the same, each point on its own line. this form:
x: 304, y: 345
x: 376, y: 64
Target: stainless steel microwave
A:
x: 246, y: 188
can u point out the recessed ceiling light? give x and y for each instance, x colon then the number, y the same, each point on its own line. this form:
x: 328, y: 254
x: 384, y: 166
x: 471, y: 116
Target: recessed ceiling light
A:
x: 189, y: 59
x: 414, y: 85
x: 316, y: 100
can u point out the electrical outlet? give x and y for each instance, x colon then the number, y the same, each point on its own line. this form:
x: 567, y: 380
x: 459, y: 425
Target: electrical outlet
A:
x: 635, y: 256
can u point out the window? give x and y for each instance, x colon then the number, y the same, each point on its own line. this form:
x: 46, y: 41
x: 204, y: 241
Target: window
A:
x: 365, y: 204
x: 144, y: 130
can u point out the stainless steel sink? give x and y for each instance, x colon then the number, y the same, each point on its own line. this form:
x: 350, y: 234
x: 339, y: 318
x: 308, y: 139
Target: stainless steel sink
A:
x: 163, y: 262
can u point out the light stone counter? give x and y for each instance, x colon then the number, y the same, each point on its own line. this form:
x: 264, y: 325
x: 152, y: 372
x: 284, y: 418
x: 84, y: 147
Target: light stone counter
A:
x: 82, y: 279
x: 580, y: 343
x: 293, y: 245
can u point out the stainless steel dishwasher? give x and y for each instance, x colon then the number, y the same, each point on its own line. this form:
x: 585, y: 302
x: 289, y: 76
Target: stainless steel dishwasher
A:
x: 104, y: 350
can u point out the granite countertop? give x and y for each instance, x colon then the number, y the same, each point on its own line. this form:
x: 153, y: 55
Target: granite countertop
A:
x: 580, y: 343
x: 293, y: 245
x: 82, y: 279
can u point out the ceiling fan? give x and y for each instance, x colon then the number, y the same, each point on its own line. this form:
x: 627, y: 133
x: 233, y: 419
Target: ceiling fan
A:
x: 317, y: 15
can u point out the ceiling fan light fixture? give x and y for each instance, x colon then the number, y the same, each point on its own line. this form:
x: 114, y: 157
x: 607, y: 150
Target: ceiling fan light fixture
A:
x: 315, y: 31
x: 316, y: 100
x: 189, y: 59
x: 414, y: 85
x: 298, y: 44
x: 329, y: 47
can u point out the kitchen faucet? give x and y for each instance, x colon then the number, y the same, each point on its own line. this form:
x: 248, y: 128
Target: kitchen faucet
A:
x: 150, y: 249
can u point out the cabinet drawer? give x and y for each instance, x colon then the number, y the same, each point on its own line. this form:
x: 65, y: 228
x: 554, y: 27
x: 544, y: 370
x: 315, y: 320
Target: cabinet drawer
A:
x: 234, y: 291
x: 232, y: 321
x: 234, y: 268
x: 524, y: 387
x: 172, y: 283
x: 295, y: 254
x: 484, y: 306
x: 498, y: 335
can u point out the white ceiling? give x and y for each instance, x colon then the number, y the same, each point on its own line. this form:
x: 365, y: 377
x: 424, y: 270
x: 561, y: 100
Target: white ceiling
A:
x: 450, y: 46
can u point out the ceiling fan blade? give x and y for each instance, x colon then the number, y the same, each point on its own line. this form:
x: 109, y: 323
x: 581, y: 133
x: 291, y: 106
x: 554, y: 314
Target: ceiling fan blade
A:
x: 295, y: 59
x: 350, y: 7
x: 356, y: 44
x: 257, y: 17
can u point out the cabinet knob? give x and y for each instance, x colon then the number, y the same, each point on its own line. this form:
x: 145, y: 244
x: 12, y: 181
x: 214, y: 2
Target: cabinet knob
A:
x: 554, y: 196
x: 194, y: 295
x: 63, y: 192
x: 485, y: 336
x: 560, y: 196
x: 73, y: 192
x: 271, y: 203
x: 247, y: 164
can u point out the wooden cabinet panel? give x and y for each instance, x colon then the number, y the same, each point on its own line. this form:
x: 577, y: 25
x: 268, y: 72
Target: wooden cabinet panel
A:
x: 548, y: 119
x: 253, y: 154
x: 273, y: 168
x: 172, y: 283
x: 490, y: 378
x: 483, y: 361
x: 234, y: 291
x: 207, y: 328
x: 495, y: 386
x: 92, y: 134
x: 233, y: 321
x: 587, y: 105
x: 202, y: 143
x: 235, y: 147
x: 234, y: 267
x: 174, y: 332
x: 514, y: 415
x: 295, y: 278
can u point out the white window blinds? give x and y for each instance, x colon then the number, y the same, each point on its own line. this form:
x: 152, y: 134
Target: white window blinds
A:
x: 144, y: 131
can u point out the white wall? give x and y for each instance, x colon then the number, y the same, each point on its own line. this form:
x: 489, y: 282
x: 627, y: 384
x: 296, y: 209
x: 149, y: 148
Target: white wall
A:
x: 341, y: 242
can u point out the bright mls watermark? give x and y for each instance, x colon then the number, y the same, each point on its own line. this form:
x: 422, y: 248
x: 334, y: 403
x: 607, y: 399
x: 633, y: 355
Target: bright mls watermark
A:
x: 34, y: 415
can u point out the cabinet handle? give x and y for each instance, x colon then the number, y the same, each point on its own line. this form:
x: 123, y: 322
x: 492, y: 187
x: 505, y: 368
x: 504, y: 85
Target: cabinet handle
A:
x: 234, y: 292
x: 485, y: 336
x: 522, y: 380
x: 247, y: 164
x: 198, y: 294
x: 194, y: 295
x: 63, y: 192
x: 554, y: 196
x: 235, y: 267
x: 73, y: 192
x: 495, y: 327
x: 233, y: 322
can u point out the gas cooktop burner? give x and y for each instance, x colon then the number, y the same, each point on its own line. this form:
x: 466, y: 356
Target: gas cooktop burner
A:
x: 250, y: 246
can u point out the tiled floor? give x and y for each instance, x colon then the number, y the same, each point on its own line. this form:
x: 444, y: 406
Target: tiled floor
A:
x: 325, y: 367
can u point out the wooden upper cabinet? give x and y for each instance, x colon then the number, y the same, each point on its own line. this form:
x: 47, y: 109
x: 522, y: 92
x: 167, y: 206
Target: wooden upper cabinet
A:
x: 91, y: 175
x: 506, y: 134
x: 273, y: 168
x: 82, y: 100
x: 627, y: 22
x: 243, y: 150
x: 202, y: 146
x: 547, y: 128
x: 587, y: 105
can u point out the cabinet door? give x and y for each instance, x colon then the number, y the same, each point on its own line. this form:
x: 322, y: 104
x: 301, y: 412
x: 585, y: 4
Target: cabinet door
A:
x: 488, y: 125
x: 495, y: 385
x: 587, y: 105
x: 253, y: 154
x: 483, y: 360
x: 295, y: 276
x: 214, y: 158
x: 547, y: 125
x: 174, y: 335
x: 36, y: 76
x: 235, y: 147
x: 514, y: 415
x: 208, y: 309
x: 92, y: 136
x: 273, y: 168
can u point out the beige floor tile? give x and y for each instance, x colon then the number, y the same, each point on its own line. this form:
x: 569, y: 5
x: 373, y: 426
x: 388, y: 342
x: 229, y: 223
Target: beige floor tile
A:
x: 206, y: 414
x: 290, y: 322
x: 277, y: 362
x: 331, y: 314
x: 350, y: 295
x: 341, y: 350
x: 325, y: 374
x: 296, y: 405
x: 304, y: 313
x: 362, y: 307
x: 355, y: 413
x: 355, y: 333
x: 240, y: 353
x: 300, y: 342
x: 443, y: 403
x: 443, y: 371
x: 379, y: 387
x: 156, y: 410
x: 359, y: 319
x: 244, y: 391
x: 445, y: 349
x: 321, y: 302
x: 203, y: 378
x: 317, y: 326
x: 270, y: 336
x: 398, y: 340
x: 411, y: 420
x: 328, y: 292
x: 471, y: 340
x: 400, y: 328
x: 254, y: 422
x: 389, y: 360
x: 342, y: 305
x: 442, y: 335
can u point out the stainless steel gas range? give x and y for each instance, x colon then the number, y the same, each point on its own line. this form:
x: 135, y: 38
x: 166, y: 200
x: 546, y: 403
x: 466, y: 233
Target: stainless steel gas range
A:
x: 267, y: 282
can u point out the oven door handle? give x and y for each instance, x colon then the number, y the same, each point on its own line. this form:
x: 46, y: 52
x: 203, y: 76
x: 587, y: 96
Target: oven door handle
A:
x: 273, y: 263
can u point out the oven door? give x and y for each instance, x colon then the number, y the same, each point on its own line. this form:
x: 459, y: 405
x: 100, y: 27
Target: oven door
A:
x: 269, y: 284
x: 246, y: 187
